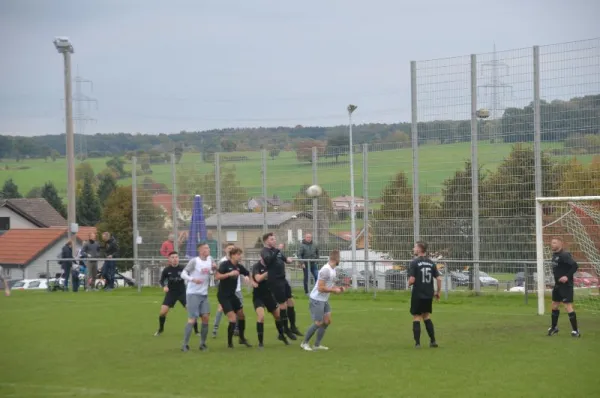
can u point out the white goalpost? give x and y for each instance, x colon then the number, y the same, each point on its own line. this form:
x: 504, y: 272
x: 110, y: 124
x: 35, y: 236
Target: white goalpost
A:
x: 576, y: 220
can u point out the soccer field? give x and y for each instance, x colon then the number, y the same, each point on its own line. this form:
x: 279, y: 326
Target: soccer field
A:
x: 101, y: 344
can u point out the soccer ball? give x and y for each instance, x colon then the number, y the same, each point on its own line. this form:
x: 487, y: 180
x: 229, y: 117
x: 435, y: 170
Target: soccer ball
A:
x: 483, y: 113
x: 314, y: 190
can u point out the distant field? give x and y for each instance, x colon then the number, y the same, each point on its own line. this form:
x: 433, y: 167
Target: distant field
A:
x: 285, y: 174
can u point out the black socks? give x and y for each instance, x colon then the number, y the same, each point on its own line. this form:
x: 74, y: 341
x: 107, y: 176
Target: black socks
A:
x: 430, y: 331
x: 417, y: 331
x: 161, y: 323
x: 555, y: 314
x: 260, y: 330
x: 573, y: 320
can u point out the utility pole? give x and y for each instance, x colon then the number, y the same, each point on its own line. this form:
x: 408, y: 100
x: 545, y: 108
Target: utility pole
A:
x: 64, y: 47
x: 81, y: 117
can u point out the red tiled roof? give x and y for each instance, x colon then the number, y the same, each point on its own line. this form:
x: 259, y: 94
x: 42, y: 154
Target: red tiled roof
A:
x: 84, y: 233
x: 21, y: 246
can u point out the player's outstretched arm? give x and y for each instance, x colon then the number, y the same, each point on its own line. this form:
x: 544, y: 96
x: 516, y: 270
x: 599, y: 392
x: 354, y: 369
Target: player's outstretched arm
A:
x: 223, y: 274
x: 439, y: 287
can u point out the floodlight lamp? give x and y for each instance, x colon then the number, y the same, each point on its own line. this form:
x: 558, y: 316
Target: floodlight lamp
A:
x: 63, y: 45
x: 351, y: 108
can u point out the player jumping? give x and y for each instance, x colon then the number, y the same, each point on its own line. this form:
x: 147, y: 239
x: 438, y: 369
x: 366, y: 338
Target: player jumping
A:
x: 422, y: 272
x: 563, y: 268
x: 174, y: 288
x: 320, y: 310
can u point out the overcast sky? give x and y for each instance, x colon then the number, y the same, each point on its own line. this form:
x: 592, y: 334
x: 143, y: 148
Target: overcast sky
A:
x: 166, y: 66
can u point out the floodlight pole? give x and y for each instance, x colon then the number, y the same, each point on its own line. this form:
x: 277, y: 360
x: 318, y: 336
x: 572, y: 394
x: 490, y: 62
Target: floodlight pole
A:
x: 66, y: 49
x: 352, y: 108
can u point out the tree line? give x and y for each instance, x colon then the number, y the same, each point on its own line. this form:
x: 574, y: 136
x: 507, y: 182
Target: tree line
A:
x: 560, y: 121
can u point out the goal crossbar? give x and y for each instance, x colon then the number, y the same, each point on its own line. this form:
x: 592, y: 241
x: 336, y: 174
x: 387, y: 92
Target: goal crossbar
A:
x: 539, y: 238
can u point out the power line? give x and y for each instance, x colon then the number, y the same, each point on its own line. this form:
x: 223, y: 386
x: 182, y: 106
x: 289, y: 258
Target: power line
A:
x: 80, y: 118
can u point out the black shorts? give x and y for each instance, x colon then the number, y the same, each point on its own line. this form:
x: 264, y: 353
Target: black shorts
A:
x: 265, y: 301
x: 281, y: 290
x: 231, y: 303
x: 419, y: 306
x: 563, y: 293
x: 172, y: 298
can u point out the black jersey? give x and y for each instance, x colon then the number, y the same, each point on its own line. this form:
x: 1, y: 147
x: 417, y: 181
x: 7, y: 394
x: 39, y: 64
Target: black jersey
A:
x: 227, y: 287
x: 425, y: 273
x: 262, y: 289
x: 171, y: 277
x: 275, y: 262
x: 563, y: 264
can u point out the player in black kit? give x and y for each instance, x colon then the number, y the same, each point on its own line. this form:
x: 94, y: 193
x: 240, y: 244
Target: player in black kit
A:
x: 174, y: 288
x: 275, y: 262
x: 563, y: 268
x: 422, y: 272
x: 262, y: 298
x: 227, y: 275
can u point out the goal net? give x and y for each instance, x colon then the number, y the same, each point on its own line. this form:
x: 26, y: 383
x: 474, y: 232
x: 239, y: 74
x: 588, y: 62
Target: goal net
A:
x: 576, y: 220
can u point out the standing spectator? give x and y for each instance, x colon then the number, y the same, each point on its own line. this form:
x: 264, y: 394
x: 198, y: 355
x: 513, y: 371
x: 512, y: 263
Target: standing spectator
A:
x: 75, y: 277
x: 309, y: 250
x: 111, y: 249
x: 91, y: 249
x: 168, y: 246
x: 66, y: 262
x: 213, y: 245
x: 5, y: 281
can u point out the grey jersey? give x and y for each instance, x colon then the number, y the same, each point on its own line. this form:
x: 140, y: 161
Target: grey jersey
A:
x: 328, y: 275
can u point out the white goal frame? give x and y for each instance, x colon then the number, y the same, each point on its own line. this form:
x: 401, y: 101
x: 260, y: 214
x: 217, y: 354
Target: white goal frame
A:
x: 539, y: 239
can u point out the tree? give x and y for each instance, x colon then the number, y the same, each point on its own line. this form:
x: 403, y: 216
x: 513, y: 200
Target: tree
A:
x: 88, y: 206
x: 178, y: 154
x: 234, y: 197
x: 117, y: 218
x: 54, y: 155
x: 228, y: 145
x: 579, y: 180
x: 274, y: 152
x: 304, y: 149
x: 50, y: 193
x: 118, y: 165
x: 337, y: 145
x: 107, y: 185
x: 35, y: 192
x: 10, y: 190
x: 84, y: 170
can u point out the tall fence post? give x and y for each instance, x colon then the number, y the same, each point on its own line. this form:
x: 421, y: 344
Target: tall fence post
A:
x: 475, y: 175
x: 366, y: 218
x: 315, y: 201
x: 218, y: 201
x: 265, y: 204
x: 136, y: 232
x: 537, y: 150
x: 414, y: 132
x: 174, y: 209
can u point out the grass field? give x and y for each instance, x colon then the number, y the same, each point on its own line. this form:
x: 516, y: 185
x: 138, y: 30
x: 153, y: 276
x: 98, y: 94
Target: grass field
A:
x: 101, y: 345
x: 285, y: 174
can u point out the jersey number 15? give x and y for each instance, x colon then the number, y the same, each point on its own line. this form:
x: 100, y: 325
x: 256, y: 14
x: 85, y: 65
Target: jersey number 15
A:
x: 426, y: 274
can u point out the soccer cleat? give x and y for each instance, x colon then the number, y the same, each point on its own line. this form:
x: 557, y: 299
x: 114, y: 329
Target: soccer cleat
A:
x: 417, y: 345
x: 203, y: 347
x: 198, y: 334
x: 552, y: 331
x: 575, y: 333
x: 281, y: 337
x: 158, y: 333
x: 433, y: 344
x: 305, y: 346
x: 230, y: 346
x: 296, y: 331
x: 290, y: 335
x: 245, y: 342
x: 320, y: 348
x: 214, y: 334
x: 260, y: 346
x: 185, y: 348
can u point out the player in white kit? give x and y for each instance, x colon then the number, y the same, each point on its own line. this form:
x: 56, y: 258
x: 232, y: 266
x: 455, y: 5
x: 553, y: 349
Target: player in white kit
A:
x: 197, y: 274
x: 320, y: 310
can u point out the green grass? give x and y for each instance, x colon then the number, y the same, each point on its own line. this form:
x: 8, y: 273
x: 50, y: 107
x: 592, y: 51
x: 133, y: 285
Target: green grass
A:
x: 101, y: 345
x: 285, y: 174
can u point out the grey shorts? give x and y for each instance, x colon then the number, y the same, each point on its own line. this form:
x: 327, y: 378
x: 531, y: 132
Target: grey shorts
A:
x: 240, y: 296
x: 197, y: 305
x: 318, y: 309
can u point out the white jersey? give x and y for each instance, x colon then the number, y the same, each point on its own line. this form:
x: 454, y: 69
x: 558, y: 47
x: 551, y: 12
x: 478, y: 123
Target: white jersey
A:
x: 328, y: 275
x: 198, y: 269
x: 239, y: 281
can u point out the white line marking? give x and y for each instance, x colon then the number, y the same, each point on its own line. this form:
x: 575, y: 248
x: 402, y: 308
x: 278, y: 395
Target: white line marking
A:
x: 49, y: 389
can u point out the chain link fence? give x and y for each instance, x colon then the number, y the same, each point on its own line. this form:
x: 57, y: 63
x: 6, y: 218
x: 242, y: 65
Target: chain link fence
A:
x: 489, y: 133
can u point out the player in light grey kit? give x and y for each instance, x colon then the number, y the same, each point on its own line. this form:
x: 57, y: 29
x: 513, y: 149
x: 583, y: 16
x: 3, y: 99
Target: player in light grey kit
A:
x: 197, y: 273
x: 320, y: 310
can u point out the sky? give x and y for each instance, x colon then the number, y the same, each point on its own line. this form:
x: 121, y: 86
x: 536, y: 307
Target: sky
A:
x: 166, y: 66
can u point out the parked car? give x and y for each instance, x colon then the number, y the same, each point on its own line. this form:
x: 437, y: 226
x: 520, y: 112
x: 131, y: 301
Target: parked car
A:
x: 487, y: 280
x: 30, y: 284
x: 459, y: 278
x: 120, y: 281
x: 584, y: 279
x: 396, y: 279
x: 520, y: 279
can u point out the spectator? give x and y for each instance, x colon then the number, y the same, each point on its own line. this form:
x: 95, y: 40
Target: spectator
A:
x: 309, y: 250
x: 66, y: 262
x: 168, y: 246
x: 91, y: 249
x: 213, y: 245
x: 111, y: 250
x: 75, y: 278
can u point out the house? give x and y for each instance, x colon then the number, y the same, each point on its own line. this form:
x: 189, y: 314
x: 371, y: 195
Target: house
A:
x: 275, y: 203
x: 28, y: 213
x: 26, y: 252
x: 345, y: 237
x: 342, y: 205
x: 245, y: 229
